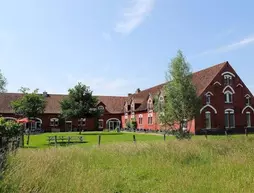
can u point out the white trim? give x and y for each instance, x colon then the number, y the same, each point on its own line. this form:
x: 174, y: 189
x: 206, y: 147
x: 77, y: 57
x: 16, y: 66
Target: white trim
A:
x: 150, y: 114
x: 68, y: 122
x: 207, y: 112
x: 248, y: 106
x: 240, y: 85
x: 209, y: 93
x: 224, y: 73
x: 247, y: 112
x: 102, y: 121
x: 229, y: 110
x: 217, y: 83
x: 247, y: 96
x: 228, y: 86
x: 113, y: 119
x: 140, y: 116
x: 208, y: 105
x: 10, y: 118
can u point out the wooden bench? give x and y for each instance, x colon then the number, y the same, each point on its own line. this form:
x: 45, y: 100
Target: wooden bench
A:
x: 62, y: 139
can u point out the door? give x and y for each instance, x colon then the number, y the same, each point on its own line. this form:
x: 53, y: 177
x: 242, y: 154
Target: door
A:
x: 111, y: 125
x: 68, y: 126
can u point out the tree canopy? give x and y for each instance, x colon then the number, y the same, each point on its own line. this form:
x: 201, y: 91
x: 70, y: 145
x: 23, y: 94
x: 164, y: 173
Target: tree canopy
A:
x: 181, y: 102
x: 3, y: 82
x: 30, y: 104
x: 79, y: 103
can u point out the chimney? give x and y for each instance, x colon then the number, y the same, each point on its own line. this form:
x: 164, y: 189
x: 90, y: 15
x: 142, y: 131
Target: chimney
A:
x: 45, y: 94
x: 138, y: 91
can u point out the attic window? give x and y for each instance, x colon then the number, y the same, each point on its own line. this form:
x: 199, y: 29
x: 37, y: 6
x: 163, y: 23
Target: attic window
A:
x: 101, y: 109
x: 150, y: 105
x: 247, y: 101
x: 227, y: 80
x: 161, y: 99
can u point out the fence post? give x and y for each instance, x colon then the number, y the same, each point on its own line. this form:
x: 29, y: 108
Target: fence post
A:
x: 246, y: 131
x: 55, y: 140
x: 226, y: 132
x: 206, y: 134
x: 164, y: 137
x: 134, y: 138
x: 99, y: 140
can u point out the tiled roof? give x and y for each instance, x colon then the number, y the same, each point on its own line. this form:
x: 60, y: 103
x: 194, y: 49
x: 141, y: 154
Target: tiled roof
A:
x: 200, y: 79
x: 113, y: 104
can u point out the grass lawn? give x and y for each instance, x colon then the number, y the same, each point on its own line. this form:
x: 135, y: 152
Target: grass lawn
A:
x: 90, y: 138
x: 196, y: 166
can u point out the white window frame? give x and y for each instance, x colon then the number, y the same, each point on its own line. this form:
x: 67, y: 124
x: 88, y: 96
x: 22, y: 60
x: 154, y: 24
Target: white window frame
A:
x: 54, y: 122
x: 210, y: 120
x: 229, y: 112
x: 208, y: 99
x: 101, y: 123
x: 227, y: 101
x: 248, y: 119
x: 150, y: 119
x: 101, y: 108
x: 228, y: 79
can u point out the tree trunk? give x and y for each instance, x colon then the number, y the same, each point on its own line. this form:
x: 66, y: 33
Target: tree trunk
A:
x: 28, y: 137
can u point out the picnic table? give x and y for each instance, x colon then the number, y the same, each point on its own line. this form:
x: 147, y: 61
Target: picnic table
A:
x: 66, y: 139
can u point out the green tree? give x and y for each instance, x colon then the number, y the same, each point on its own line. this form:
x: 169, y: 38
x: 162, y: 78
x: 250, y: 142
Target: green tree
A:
x: 3, y: 83
x: 80, y: 103
x: 181, y: 102
x: 30, y: 105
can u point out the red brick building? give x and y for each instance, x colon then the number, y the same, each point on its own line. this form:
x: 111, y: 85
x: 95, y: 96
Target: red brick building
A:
x: 111, y: 107
x: 227, y: 103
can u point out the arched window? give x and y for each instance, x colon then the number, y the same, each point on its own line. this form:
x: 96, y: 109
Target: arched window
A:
x: 247, y: 100
x: 208, y: 122
x: 248, y: 119
x: 150, y: 105
x: 101, y: 109
x: 228, y: 97
x: 227, y: 80
x: 140, y: 119
x: 229, y: 119
x: 150, y: 118
x: 54, y: 122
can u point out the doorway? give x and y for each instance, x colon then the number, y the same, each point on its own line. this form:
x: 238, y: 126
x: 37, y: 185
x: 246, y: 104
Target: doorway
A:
x: 68, y: 126
x: 113, y: 123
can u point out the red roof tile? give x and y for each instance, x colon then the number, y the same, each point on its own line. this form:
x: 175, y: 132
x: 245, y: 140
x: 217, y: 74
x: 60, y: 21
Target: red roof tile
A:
x: 113, y: 104
x: 200, y: 79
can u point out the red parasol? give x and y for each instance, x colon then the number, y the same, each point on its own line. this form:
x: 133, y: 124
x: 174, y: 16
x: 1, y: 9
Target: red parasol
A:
x: 24, y: 120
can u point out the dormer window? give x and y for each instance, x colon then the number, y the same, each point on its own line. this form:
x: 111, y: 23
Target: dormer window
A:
x: 101, y: 109
x: 150, y: 105
x: 161, y: 98
x: 228, y: 97
x: 132, y: 106
x: 227, y: 80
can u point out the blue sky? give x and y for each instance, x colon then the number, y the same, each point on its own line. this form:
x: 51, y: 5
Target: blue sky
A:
x: 116, y: 46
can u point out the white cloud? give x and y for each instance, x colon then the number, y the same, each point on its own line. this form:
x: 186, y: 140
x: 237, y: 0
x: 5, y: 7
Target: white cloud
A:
x: 134, y: 15
x: 106, y: 36
x: 233, y: 46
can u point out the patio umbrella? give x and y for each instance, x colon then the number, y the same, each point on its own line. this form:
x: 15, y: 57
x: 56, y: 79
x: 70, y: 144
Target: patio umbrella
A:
x: 24, y: 120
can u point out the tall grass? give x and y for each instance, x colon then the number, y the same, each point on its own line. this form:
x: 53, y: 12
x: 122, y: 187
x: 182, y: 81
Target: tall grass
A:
x: 174, y: 166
